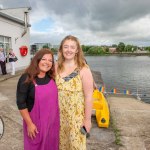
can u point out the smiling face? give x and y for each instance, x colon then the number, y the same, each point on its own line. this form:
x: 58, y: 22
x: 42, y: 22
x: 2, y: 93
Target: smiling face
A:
x: 45, y: 63
x: 69, y: 49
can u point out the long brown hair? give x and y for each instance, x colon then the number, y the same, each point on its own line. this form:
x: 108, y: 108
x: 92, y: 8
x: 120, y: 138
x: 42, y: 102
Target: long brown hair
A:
x: 33, y: 69
x: 79, y: 58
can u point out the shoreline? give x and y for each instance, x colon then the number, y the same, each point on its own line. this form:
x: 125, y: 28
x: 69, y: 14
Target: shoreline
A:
x: 119, y: 54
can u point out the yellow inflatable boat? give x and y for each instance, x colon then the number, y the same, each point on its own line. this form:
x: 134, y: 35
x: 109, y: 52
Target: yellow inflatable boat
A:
x: 101, y: 109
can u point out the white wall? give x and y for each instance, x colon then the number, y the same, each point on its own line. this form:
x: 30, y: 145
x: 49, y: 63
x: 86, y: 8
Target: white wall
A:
x: 14, y: 30
x: 17, y: 13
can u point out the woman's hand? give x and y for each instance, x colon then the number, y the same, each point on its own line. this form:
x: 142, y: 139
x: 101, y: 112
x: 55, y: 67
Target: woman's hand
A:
x: 87, y: 123
x: 32, y: 130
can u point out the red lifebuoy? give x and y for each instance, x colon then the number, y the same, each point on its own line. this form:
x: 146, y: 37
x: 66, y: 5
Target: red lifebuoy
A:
x: 23, y: 50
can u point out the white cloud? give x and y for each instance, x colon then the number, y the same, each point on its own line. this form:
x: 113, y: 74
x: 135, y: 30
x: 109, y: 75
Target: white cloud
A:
x: 93, y: 22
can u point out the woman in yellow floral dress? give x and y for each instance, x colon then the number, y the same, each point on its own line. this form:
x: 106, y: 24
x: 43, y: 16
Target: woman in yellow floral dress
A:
x: 75, y: 87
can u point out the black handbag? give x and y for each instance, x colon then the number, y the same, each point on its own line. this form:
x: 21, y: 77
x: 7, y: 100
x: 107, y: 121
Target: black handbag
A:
x: 15, y: 59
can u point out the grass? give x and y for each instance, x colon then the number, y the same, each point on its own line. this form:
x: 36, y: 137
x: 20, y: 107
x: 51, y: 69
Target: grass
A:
x: 116, y: 131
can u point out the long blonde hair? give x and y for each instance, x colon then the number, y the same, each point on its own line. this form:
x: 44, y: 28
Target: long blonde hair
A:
x: 79, y: 58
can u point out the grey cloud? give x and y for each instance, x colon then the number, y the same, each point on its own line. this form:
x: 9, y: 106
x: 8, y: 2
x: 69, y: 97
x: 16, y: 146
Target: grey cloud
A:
x: 107, y: 14
x: 91, y: 20
x: 113, y: 13
x: 8, y: 4
x: 101, y: 18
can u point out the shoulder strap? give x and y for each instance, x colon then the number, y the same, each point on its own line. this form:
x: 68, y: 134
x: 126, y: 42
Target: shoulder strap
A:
x: 34, y: 82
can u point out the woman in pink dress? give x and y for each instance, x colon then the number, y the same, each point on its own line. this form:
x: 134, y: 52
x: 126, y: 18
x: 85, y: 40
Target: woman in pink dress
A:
x: 37, y: 100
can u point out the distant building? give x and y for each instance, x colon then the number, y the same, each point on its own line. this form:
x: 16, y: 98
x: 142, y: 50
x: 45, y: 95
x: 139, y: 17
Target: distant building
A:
x: 37, y: 46
x: 33, y: 49
x: 140, y: 51
x: 55, y: 46
x: 41, y: 45
x: 15, y: 34
x: 112, y: 49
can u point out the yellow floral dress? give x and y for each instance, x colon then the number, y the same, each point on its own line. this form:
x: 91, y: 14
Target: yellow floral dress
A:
x: 71, y: 103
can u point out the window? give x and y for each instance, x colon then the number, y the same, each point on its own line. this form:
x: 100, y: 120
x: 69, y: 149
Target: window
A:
x: 5, y: 43
x: 1, y: 39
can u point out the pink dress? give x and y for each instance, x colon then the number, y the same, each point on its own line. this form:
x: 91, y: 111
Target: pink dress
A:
x: 45, y: 115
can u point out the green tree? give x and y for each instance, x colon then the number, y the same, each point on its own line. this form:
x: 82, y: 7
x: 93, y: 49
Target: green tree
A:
x: 121, y: 47
x: 46, y: 46
x: 114, y: 45
x: 134, y: 48
x: 128, y: 48
x: 83, y: 48
x: 54, y: 49
x: 147, y: 48
x: 96, y: 50
x: 87, y: 48
x: 106, y: 49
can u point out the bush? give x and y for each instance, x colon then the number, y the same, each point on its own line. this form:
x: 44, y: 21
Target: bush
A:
x: 85, y: 48
x: 54, y: 49
x: 95, y: 50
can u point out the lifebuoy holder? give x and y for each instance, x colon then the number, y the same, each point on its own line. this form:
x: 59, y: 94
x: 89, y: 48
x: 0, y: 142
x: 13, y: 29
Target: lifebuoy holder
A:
x: 23, y: 50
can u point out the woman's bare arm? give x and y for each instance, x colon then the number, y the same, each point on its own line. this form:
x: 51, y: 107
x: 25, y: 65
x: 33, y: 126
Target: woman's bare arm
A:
x: 87, y: 83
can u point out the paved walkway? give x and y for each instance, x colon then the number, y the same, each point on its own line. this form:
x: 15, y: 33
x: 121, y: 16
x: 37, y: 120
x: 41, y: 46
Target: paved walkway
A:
x: 8, y: 76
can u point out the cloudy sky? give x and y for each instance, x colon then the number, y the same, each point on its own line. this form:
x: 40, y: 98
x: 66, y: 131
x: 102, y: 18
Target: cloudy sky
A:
x: 96, y: 22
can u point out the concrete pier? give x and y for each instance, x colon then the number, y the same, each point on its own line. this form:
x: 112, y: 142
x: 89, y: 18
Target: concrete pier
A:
x: 132, y: 118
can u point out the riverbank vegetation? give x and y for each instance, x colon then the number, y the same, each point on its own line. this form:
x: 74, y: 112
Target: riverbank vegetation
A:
x: 121, y: 49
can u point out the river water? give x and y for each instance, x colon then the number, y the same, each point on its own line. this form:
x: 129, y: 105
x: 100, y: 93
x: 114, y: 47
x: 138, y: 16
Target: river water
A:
x: 124, y: 73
